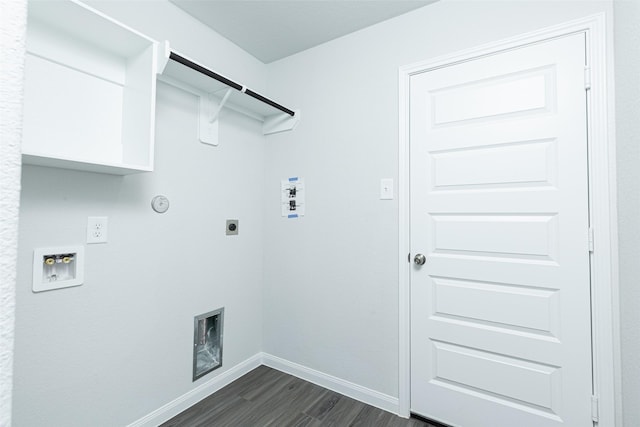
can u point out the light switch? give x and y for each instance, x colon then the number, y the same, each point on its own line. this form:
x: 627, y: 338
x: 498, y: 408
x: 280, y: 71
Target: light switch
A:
x: 386, y: 189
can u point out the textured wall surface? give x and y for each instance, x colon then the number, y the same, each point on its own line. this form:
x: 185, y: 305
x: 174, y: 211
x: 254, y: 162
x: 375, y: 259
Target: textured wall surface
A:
x: 627, y: 58
x: 12, y: 38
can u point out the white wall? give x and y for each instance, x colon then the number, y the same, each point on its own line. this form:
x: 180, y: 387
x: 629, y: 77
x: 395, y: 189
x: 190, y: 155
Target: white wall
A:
x: 120, y: 346
x: 331, y: 278
x: 12, y: 39
x: 627, y: 57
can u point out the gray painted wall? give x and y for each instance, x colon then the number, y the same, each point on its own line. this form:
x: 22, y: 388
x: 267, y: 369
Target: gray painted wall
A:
x: 120, y: 346
x: 627, y: 63
x: 331, y: 278
x: 326, y: 284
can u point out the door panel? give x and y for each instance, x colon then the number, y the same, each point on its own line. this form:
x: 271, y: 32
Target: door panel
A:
x: 500, y: 311
x: 457, y: 104
x: 491, y: 235
x: 497, y: 375
x: 522, y: 309
x: 525, y: 163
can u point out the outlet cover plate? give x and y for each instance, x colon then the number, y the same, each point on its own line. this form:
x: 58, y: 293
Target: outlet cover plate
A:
x: 97, y: 230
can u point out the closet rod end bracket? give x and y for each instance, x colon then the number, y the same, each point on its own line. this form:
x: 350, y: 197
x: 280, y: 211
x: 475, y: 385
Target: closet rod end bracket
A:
x: 162, y: 58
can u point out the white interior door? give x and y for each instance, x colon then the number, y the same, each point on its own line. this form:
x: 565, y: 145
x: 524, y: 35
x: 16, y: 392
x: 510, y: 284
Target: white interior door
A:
x: 500, y: 310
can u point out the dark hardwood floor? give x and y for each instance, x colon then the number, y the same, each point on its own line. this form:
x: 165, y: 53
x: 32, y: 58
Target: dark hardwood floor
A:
x: 267, y: 397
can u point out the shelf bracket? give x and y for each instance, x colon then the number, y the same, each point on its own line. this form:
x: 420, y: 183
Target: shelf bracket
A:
x: 215, y: 115
x: 210, y: 107
x: 275, y: 118
x: 280, y: 123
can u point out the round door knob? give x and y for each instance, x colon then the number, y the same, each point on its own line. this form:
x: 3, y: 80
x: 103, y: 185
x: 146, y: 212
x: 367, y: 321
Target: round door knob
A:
x: 420, y: 259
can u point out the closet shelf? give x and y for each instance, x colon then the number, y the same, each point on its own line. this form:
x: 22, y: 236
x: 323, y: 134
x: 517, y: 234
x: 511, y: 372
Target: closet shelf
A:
x: 90, y: 85
x: 218, y: 91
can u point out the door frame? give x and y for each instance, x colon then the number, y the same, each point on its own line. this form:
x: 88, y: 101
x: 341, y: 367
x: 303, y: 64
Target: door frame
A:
x: 602, y: 207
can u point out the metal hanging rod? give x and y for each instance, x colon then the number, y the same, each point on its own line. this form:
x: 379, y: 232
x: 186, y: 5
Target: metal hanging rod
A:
x: 187, y: 63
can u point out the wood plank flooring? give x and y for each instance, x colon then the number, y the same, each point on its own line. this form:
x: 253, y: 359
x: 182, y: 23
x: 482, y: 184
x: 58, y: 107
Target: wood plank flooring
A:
x: 267, y: 397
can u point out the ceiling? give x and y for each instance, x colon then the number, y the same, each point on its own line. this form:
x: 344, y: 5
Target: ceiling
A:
x: 273, y: 29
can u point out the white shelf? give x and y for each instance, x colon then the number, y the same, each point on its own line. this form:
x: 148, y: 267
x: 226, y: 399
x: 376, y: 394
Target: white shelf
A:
x: 197, y: 79
x: 200, y: 83
x: 90, y: 85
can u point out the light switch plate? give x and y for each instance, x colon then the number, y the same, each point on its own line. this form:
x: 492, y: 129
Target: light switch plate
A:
x: 386, y: 189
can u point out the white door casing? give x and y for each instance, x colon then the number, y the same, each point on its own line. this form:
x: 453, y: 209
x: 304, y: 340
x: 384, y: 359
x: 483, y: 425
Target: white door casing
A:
x: 602, y: 191
x: 500, y: 322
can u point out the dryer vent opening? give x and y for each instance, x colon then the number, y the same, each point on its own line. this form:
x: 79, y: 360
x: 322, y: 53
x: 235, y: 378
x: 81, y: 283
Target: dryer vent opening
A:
x: 207, y: 342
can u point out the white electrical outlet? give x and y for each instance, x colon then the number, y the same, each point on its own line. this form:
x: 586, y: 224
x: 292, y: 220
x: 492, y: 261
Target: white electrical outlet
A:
x: 97, y: 229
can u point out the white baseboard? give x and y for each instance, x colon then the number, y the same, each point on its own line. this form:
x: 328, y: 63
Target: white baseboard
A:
x: 354, y: 391
x: 192, y: 397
